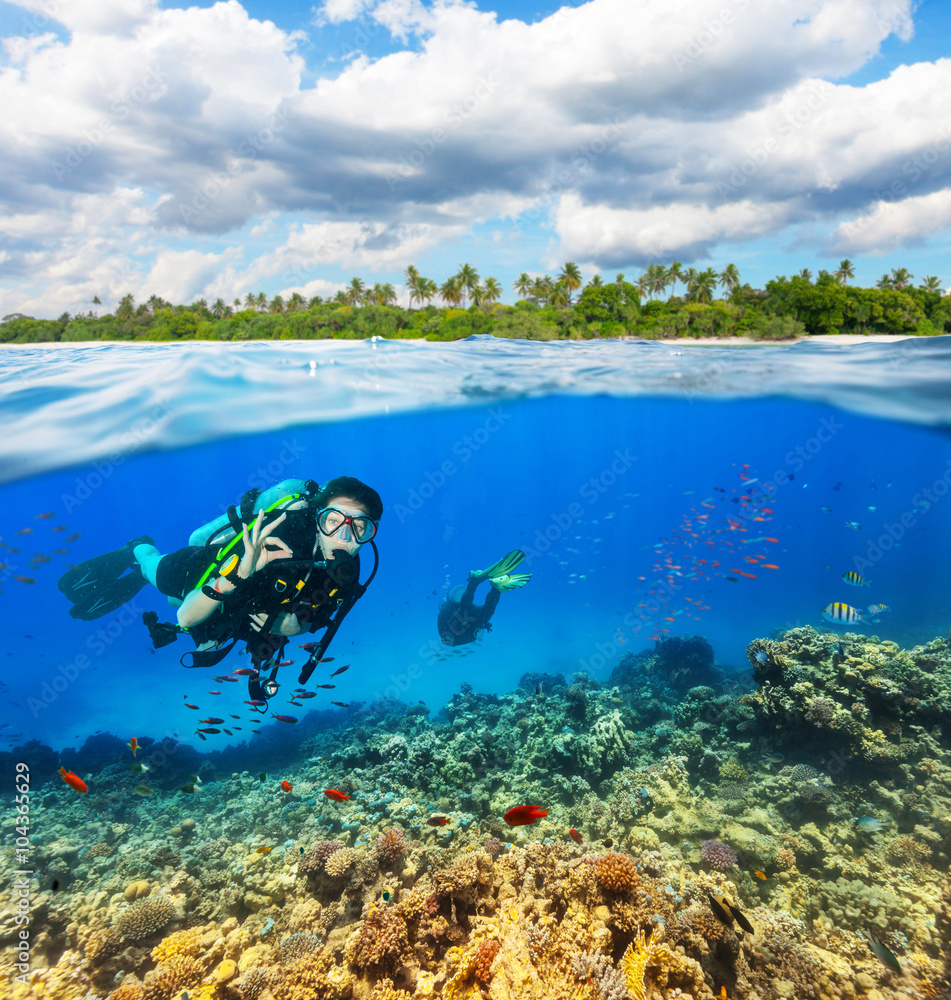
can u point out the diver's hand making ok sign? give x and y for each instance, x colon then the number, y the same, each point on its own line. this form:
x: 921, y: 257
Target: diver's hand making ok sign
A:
x: 259, y: 548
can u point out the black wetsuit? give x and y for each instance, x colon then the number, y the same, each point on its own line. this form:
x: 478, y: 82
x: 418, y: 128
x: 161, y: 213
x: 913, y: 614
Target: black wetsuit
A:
x: 460, y: 620
x: 273, y: 588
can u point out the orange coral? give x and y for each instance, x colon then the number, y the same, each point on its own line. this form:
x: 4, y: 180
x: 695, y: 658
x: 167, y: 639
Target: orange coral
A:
x: 616, y: 872
x: 484, y: 957
x: 187, y: 942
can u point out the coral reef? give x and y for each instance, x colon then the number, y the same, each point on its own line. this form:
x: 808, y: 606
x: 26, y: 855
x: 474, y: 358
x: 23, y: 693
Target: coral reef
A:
x: 818, y: 802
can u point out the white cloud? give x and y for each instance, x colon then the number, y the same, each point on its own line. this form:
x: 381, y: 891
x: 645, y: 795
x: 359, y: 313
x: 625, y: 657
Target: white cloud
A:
x: 893, y: 225
x: 628, y: 126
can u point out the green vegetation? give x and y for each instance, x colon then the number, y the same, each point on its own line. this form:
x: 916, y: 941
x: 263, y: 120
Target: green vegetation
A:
x: 650, y: 308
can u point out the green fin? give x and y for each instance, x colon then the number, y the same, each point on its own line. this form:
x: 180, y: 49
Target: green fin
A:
x: 511, y: 581
x: 505, y: 565
x: 101, y: 584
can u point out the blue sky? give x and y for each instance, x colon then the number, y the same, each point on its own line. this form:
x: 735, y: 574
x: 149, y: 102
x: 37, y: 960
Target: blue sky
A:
x: 220, y: 149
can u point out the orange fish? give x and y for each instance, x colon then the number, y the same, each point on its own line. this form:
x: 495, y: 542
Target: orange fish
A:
x: 524, y: 815
x: 765, y: 539
x: 73, y: 780
x: 24, y: 531
x: 575, y: 836
x: 43, y: 517
x: 437, y: 820
x: 768, y: 566
x: 286, y: 786
x: 195, y: 707
x: 133, y: 744
x: 263, y: 850
x: 332, y: 793
x: 24, y: 579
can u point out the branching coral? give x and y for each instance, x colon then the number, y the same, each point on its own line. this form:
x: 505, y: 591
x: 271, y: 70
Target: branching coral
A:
x: 391, y: 844
x: 381, y: 943
x: 179, y: 974
x: 616, y: 872
x: 144, y: 917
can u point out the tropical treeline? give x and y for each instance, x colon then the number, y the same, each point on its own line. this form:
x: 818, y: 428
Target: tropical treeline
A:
x: 663, y: 302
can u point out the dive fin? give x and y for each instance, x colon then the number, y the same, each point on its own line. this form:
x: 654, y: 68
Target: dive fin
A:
x: 505, y: 565
x: 102, y: 584
x: 511, y: 581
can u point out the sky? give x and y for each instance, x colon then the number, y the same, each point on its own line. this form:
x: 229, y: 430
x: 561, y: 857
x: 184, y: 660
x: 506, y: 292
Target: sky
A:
x: 220, y: 149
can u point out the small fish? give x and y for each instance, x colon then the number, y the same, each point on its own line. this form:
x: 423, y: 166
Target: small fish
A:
x: 73, y: 780
x: 306, y: 694
x: 761, y: 875
x: 872, y: 509
x: 286, y: 786
x: 286, y: 663
x: 853, y: 525
x: 138, y: 768
x: 73, y: 538
x: 607, y: 843
x: 230, y: 680
x: 869, y: 824
x: 854, y: 579
x: 256, y: 702
x: 195, y: 707
x: 246, y: 672
x: 212, y: 721
x: 188, y: 789
x: 258, y: 731
x: 768, y: 566
x: 144, y: 791
x: 327, y: 686
x: 437, y: 821
x: 575, y: 836
x: 44, y: 516
x: 298, y: 704
x: 877, y: 609
x: 263, y: 850
x: 387, y: 897
x: 727, y: 913
x: 24, y: 579
x: 202, y: 736
x: 340, y: 670
x: 208, y: 729
x: 327, y: 659
x: 309, y: 646
x: 841, y: 614
x: 772, y: 758
x: 883, y: 954
x: 262, y: 777
x: 284, y: 718
x: 524, y: 815
x: 732, y: 579
x: 341, y: 704
x: 214, y: 692
x: 133, y: 745
x: 24, y: 531
x: 55, y: 885
x: 332, y: 793
x: 228, y: 731
x: 761, y: 656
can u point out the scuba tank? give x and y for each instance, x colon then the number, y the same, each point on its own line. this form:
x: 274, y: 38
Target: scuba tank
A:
x: 286, y: 489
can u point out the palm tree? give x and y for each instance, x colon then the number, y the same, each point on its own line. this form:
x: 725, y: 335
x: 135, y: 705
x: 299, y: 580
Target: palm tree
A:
x: 845, y: 272
x: 542, y: 289
x: 596, y: 282
x: 468, y: 280
x: 355, y: 291
x: 414, y: 283
x: 491, y: 290
x: 570, y: 277
x: 452, y: 291
x: 218, y: 309
x: 260, y: 302
x: 96, y: 301
x: 236, y: 303
x: 656, y: 279
x: 885, y: 282
x: 428, y: 290
x: 342, y: 297
x: 523, y: 285
x: 385, y: 294
x: 478, y: 295
x: 277, y: 304
x: 675, y: 273
x: 155, y: 303
x: 620, y: 277
x: 296, y: 302
x: 689, y: 279
x: 805, y: 274
x: 930, y: 284
x: 314, y: 300
x: 730, y: 278
x: 126, y: 308
x: 901, y: 278
x: 250, y: 301
x: 559, y: 296
x: 704, y: 286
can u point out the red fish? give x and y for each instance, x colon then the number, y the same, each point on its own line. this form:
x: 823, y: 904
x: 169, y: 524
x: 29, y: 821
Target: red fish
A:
x: 296, y: 704
x: 768, y: 566
x: 309, y: 646
x: 437, y: 820
x: 256, y: 702
x: 284, y: 718
x: 228, y: 731
x: 195, y: 707
x: 24, y: 579
x: 246, y: 672
x: 286, y: 786
x: 214, y: 692
x: 230, y: 680
x: 211, y: 721
x: 332, y: 793
x: 306, y: 694
x: 327, y: 659
x: 286, y: 663
x: 524, y: 815
x: 328, y: 686
x: 73, y: 538
x: 340, y: 670
x: 133, y: 745
x: 73, y: 780
x: 340, y: 704
x: 575, y: 836
x: 24, y: 531
x: 43, y: 517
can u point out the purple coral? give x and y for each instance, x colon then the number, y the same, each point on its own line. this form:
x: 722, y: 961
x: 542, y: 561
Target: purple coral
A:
x: 717, y: 855
x: 821, y: 711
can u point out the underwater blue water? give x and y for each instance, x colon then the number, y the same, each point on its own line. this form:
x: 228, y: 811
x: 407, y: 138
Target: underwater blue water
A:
x: 617, y: 467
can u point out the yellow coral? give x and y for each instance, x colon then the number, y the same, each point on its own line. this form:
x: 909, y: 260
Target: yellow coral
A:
x: 186, y: 942
x: 384, y: 990
x: 634, y: 964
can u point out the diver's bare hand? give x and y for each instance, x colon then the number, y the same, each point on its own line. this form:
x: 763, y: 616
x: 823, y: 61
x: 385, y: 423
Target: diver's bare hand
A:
x: 258, y: 552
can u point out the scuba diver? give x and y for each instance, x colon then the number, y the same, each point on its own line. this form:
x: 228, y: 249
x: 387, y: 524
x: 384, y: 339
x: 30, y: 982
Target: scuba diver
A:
x: 283, y: 562
x: 460, y: 620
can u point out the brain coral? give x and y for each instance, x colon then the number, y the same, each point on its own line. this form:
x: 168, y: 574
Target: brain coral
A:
x: 144, y: 917
x: 616, y: 872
